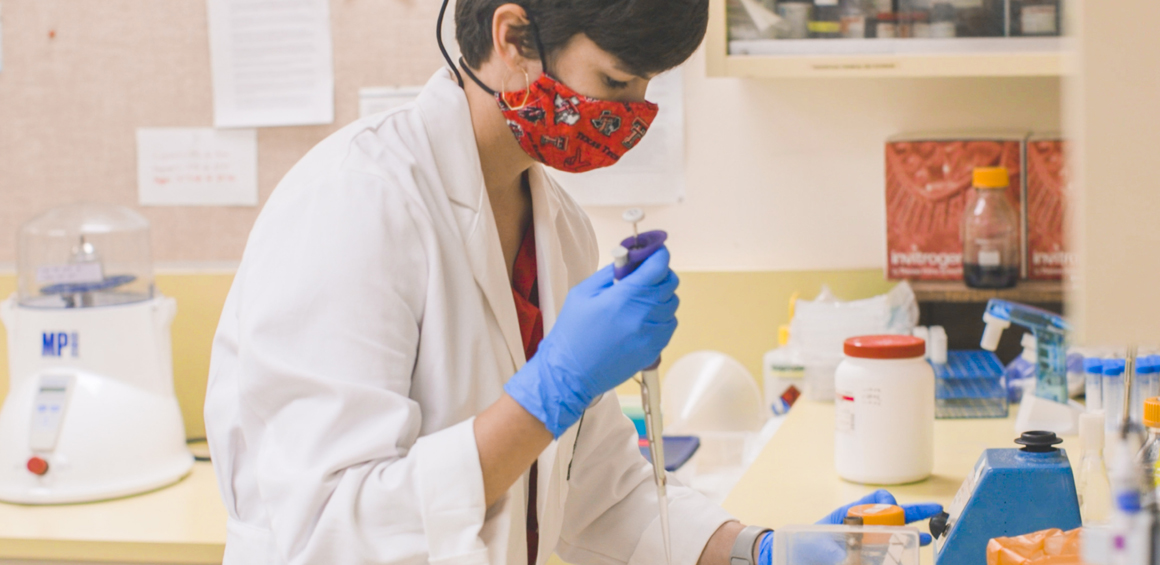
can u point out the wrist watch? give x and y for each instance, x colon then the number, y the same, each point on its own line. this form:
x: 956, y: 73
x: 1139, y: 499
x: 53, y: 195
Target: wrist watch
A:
x: 742, y: 552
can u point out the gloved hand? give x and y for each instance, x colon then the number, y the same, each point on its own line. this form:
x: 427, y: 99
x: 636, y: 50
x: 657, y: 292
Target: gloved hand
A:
x: 912, y: 512
x: 831, y: 553
x: 605, y: 334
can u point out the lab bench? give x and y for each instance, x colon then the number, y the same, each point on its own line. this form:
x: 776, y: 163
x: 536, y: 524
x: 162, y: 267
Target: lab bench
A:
x: 184, y: 523
x: 793, y: 480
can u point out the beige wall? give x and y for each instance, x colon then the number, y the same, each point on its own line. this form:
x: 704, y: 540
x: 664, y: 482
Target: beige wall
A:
x: 71, y: 102
x: 789, y: 174
x: 1114, y: 117
x: 782, y: 174
x: 785, y: 177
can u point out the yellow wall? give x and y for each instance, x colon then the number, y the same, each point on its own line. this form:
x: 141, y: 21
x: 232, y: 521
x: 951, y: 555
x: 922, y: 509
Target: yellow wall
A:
x: 734, y: 312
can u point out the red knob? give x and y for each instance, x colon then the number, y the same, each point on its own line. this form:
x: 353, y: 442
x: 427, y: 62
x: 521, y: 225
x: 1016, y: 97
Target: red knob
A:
x: 37, y: 466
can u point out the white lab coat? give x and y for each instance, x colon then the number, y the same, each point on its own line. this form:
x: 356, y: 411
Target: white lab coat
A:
x: 370, y: 320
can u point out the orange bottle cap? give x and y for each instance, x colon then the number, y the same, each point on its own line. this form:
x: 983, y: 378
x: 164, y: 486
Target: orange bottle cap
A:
x: 991, y: 177
x: 1152, y: 412
x: 879, y: 514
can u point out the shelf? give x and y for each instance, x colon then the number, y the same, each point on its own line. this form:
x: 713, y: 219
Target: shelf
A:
x: 1033, y: 292
x: 959, y: 57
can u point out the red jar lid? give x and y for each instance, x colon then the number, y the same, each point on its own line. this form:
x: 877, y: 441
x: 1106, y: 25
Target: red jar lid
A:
x: 885, y: 347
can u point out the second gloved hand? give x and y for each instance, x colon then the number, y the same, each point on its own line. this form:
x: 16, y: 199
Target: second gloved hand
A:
x: 828, y: 552
x: 912, y: 512
x: 605, y: 333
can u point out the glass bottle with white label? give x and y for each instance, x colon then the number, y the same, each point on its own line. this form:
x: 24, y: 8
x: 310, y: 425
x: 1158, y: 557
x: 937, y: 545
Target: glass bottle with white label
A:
x: 990, y: 232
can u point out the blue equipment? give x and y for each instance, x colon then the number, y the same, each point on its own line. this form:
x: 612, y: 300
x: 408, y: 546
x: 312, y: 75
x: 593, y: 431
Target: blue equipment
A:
x: 1050, y: 330
x: 1050, y: 407
x: 1010, y: 492
x: 969, y: 385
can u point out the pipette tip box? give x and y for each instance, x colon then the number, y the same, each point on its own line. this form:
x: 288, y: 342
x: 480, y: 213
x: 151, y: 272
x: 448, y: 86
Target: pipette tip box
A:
x: 971, y: 384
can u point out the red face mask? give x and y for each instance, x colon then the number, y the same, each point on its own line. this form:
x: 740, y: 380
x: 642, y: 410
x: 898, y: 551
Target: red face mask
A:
x: 569, y: 131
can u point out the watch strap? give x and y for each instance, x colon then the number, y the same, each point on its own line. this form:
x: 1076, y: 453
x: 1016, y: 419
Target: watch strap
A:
x: 742, y: 552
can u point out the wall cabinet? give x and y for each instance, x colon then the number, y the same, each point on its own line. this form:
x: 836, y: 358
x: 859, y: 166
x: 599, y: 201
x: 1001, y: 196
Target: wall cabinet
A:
x: 909, y: 57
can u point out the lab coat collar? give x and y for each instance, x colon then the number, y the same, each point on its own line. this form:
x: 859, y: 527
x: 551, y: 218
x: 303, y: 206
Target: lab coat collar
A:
x: 443, y: 105
x: 445, y: 112
x: 448, y: 120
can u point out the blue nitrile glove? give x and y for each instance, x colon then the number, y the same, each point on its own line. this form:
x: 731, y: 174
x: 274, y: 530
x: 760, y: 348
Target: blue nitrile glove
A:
x: 831, y: 553
x: 605, y: 334
x: 912, y: 512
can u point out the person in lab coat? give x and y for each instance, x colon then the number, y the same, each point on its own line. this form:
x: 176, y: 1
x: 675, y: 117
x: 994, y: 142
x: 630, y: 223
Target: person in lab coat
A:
x: 412, y: 362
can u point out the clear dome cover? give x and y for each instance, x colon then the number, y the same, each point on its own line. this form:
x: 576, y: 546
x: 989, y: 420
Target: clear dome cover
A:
x: 83, y: 256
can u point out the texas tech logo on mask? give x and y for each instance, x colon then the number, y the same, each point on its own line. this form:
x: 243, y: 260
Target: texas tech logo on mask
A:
x: 566, y: 111
x: 532, y: 113
x: 571, y: 132
x: 607, y: 123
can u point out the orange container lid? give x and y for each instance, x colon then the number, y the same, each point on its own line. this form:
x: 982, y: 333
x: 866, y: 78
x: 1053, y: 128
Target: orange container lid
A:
x: 1152, y: 412
x: 884, y: 347
x: 991, y: 177
x: 879, y: 514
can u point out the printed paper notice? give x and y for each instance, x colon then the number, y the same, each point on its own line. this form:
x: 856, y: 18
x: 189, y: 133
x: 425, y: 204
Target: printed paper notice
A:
x: 654, y: 171
x: 272, y: 62
x: 197, y: 167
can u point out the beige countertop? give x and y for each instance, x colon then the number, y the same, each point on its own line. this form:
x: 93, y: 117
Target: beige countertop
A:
x: 793, y: 481
x: 182, y: 523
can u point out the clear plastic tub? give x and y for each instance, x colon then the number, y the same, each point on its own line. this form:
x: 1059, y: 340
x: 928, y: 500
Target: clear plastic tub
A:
x: 708, y: 391
x: 840, y: 545
x: 83, y: 256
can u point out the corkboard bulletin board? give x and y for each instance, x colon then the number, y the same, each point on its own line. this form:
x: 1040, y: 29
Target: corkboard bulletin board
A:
x: 80, y: 76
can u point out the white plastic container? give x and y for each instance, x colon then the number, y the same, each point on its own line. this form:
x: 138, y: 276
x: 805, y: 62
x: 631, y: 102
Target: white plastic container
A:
x: 884, y: 433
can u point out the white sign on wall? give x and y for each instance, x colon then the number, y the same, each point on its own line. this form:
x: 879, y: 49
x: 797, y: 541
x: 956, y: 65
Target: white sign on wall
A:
x: 197, y: 167
x: 272, y: 62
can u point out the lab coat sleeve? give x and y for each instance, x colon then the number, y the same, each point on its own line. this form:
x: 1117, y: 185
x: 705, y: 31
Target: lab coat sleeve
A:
x: 328, y: 338
x: 611, y: 516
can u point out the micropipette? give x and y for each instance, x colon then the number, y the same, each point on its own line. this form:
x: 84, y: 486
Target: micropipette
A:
x: 627, y: 257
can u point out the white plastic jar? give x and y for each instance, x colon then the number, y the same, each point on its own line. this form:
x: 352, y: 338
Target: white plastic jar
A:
x: 884, y: 434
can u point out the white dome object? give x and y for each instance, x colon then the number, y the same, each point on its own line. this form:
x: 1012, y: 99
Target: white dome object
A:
x: 84, y: 256
x: 708, y: 391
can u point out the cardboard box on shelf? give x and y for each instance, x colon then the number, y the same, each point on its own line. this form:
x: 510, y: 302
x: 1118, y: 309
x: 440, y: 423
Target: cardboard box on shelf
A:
x: 1046, y: 185
x: 928, y: 181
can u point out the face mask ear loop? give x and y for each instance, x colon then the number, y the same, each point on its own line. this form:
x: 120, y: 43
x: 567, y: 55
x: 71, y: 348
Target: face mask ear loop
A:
x: 439, y: 40
x: 475, y: 79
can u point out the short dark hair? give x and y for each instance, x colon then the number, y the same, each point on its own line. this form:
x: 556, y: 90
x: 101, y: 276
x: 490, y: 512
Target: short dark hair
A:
x: 648, y: 36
